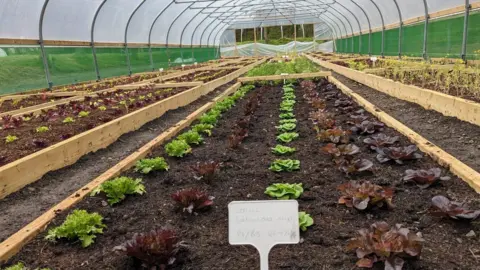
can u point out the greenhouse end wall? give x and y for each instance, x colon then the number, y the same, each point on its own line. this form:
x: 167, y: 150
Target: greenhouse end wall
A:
x: 21, y: 67
x: 444, y: 39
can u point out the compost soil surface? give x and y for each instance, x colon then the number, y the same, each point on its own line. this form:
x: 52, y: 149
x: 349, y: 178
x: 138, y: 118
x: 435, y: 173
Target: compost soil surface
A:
x: 205, y: 76
x: 20, y: 208
x: 245, y: 176
x: 459, y: 138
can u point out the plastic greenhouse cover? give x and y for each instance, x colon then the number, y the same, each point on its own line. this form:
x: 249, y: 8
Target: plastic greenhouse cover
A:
x: 274, y: 50
x: 196, y: 22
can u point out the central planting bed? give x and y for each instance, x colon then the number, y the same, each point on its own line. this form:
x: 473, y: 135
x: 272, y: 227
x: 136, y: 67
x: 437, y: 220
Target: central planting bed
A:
x: 242, y: 142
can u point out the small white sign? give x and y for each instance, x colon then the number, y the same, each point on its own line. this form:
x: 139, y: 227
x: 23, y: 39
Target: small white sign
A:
x: 195, y: 63
x: 160, y: 69
x: 263, y: 224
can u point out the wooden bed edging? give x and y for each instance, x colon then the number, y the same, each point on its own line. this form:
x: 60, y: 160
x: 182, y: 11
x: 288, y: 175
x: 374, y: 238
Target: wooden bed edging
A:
x: 24, y: 171
x: 457, y: 167
x: 447, y: 105
x: 14, y: 243
x: 285, y: 77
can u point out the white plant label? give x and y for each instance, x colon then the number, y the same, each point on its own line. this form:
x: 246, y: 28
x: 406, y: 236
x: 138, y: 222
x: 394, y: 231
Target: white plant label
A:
x: 160, y: 69
x: 284, y: 80
x: 263, y: 224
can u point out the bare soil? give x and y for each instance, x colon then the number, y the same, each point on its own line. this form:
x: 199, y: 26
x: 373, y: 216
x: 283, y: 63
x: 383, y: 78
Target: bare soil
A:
x: 18, y: 210
x: 245, y: 176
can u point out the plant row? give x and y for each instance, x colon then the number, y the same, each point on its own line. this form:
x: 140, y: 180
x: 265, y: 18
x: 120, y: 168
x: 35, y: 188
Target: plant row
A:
x: 380, y: 242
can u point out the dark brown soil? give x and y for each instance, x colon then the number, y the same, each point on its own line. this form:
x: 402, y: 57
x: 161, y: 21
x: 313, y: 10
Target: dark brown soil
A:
x: 460, y: 139
x: 59, y: 131
x: 10, y: 105
x: 245, y: 177
x: 18, y: 210
x: 205, y: 76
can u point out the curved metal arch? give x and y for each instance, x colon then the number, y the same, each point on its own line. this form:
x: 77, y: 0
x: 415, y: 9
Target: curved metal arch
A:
x: 150, y: 32
x: 369, y: 27
x: 359, y: 26
x: 170, y: 28
x: 344, y: 26
x: 125, y: 36
x: 400, y: 30
x: 92, y: 39
x: 42, y: 47
x: 382, y: 53
x: 425, y: 30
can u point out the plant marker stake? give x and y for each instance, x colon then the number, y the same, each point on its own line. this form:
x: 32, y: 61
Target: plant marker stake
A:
x: 263, y: 224
x: 284, y: 79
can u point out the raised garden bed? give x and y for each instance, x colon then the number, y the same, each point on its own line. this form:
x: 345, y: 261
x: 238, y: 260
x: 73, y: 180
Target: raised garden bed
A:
x: 245, y: 176
x: 204, y: 76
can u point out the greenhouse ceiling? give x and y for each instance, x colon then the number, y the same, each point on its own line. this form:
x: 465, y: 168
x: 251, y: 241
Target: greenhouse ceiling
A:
x: 201, y: 22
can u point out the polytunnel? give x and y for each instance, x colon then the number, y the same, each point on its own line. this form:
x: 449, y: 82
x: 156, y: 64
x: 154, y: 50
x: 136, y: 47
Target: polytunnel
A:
x: 149, y: 34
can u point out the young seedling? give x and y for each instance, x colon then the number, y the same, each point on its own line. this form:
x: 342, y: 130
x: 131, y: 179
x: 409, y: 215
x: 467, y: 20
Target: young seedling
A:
x: 443, y: 207
x: 117, y: 189
x: 177, y: 148
x: 191, y: 137
x: 68, y: 120
x: 42, y: 129
x: 286, y: 127
x: 78, y: 225
x: 287, y: 137
x: 380, y: 140
x: 285, y: 165
x: 304, y: 220
x: 363, y: 195
x: 10, y: 138
x: 283, y: 150
x: 398, y: 154
x: 206, y: 171
x: 192, y: 200
x: 425, y: 178
x: 203, y: 128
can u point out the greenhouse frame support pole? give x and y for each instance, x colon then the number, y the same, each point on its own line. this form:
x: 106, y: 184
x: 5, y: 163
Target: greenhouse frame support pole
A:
x: 400, y: 30
x: 151, y: 29
x: 92, y: 39
x: 465, y: 30
x: 42, y: 47
x: 425, y: 31
x: 255, y: 41
x: 382, y: 51
x: 281, y: 31
x: 125, y: 36
x: 369, y: 27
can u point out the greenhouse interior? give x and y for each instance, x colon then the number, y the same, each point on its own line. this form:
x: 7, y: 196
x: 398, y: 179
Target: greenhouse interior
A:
x: 240, y: 134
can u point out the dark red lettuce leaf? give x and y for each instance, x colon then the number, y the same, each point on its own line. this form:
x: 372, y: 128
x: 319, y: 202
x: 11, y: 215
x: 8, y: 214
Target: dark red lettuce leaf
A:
x: 363, y: 195
x: 368, y: 127
x: 443, y: 207
x: 425, y: 178
x: 192, y: 200
x: 206, y: 170
x: 398, y: 154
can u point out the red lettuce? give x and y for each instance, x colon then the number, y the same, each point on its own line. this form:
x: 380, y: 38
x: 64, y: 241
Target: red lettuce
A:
x: 353, y: 166
x: 380, y: 140
x: 10, y: 122
x: 443, y: 207
x: 398, y: 154
x: 363, y: 195
x: 192, y: 200
x: 368, y: 127
x: 335, y: 135
x: 207, y: 170
x: 381, y: 242
x: 341, y: 150
x: 425, y: 178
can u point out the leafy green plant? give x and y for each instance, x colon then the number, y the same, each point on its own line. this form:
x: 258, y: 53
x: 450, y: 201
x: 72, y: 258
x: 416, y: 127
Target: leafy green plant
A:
x: 286, y: 127
x: 78, y: 225
x: 83, y: 114
x: 102, y: 108
x: 21, y: 266
x: 284, y: 191
x: 288, y: 121
x: 287, y: 115
x: 225, y: 105
x: 283, y: 150
x: 209, y: 118
x: 203, y: 128
x: 304, y: 220
x: 117, y: 188
x: 68, y: 120
x: 287, y: 137
x: 42, y: 129
x: 285, y: 165
x: 148, y: 165
x: 191, y: 137
x: 10, y: 138
x: 177, y: 148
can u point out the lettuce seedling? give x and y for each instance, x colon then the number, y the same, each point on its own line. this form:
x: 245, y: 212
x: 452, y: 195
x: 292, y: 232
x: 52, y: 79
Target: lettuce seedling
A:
x: 10, y: 138
x: 288, y: 115
x: 380, y: 140
x: 398, y: 154
x: 78, y: 225
x: 285, y: 165
x: 286, y: 109
x: 381, y: 242
x: 284, y: 191
x: 148, y: 165
x: 68, y: 120
x: 192, y: 200
x: 156, y: 248
x: 117, y: 189
x: 203, y: 128
x: 288, y: 121
x: 21, y: 266
x: 42, y: 129
x: 286, y: 127
x: 209, y: 118
x: 341, y: 150
x: 335, y: 135
x: 349, y: 166
x: 425, y: 178
x: 191, y: 137
x: 10, y: 122
x: 282, y: 150
x: 343, y: 102
x: 287, y: 137
x: 178, y: 148
x: 322, y: 120
x: 443, y: 207
x: 83, y: 114
x: 368, y: 127
x: 304, y: 221
x: 225, y: 105
x: 363, y: 195
x: 206, y: 170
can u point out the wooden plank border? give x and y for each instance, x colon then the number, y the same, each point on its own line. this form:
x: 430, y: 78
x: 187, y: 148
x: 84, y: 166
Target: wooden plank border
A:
x: 285, y: 77
x: 17, y: 174
x: 447, y: 105
x: 159, y: 86
x: 457, y: 167
x: 14, y: 243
